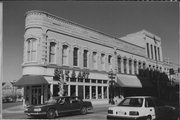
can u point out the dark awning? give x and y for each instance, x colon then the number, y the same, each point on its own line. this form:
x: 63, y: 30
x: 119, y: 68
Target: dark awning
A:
x: 132, y: 81
x: 31, y: 80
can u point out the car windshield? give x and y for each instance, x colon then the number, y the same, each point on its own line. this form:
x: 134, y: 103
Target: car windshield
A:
x: 52, y: 100
x: 132, y: 102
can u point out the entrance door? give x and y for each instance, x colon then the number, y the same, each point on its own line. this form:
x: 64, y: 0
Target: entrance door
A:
x: 36, y: 95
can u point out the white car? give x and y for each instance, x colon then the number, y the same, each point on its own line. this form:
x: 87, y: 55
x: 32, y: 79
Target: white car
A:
x: 140, y: 108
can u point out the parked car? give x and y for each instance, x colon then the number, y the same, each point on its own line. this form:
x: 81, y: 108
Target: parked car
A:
x: 141, y: 108
x: 59, y: 105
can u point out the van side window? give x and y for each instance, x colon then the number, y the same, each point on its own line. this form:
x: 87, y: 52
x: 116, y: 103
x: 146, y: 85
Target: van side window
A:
x: 149, y: 103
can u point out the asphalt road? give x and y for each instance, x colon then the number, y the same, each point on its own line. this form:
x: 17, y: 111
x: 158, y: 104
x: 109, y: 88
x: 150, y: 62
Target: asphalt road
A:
x: 11, y: 104
x: 99, y: 113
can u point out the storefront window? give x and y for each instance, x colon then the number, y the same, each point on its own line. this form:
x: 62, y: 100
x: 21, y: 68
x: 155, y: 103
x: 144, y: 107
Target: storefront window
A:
x: 105, y: 92
x: 72, y: 90
x: 93, y: 92
x: 73, y: 79
x: 87, y: 80
x: 87, y: 93
x: 93, y: 81
x: 99, y: 92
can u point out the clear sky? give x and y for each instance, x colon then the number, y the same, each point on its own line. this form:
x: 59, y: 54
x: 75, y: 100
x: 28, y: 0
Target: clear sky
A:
x: 114, y: 18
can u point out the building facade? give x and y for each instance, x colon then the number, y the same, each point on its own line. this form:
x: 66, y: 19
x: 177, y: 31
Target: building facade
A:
x: 84, y: 57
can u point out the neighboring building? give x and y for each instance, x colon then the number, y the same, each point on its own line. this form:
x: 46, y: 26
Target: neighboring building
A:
x: 84, y: 57
x: 9, y: 90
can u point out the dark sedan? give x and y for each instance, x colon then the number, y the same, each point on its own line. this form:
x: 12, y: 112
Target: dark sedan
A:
x: 59, y: 105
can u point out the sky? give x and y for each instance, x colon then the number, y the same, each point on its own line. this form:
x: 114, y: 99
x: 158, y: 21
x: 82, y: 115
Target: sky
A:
x: 114, y: 18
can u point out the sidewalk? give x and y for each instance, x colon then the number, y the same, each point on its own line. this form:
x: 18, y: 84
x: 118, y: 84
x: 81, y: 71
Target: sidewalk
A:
x: 20, y: 108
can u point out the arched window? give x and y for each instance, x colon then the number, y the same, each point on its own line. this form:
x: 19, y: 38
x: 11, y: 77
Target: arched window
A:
x: 52, y: 52
x: 130, y: 66
x: 31, y: 49
x: 135, y: 67
x: 119, y: 64
x: 94, y: 60
x: 103, y: 61
x: 85, y: 58
x: 75, y: 56
x: 65, y: 55
x: 125, y: 66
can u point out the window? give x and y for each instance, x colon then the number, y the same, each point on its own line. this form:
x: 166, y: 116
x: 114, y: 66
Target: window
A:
x: 135, y: 67
x: 105, y: 92
x: 103, y: 61
x: 130, y: 66
x: 110, y: 62
x: 151, y: 51
x: 119, y: 64
x: 52, y: 52
x: 94, y: 60
x: 93, y: 92
x: 149, y: 103
x: 75, y: 57
x: 155, y: 52
x: 159, y: 54
x: 31, y: 49
x: 125, y: 62
x: 85, y: 59
x: 87, y: 93
x: 147, y: 44
x: 65, y: 55
x: 99, y: 92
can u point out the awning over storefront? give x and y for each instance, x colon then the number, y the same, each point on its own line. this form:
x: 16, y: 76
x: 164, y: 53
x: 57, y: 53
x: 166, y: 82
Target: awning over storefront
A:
x: 31, y: 80
x: 132, y: 81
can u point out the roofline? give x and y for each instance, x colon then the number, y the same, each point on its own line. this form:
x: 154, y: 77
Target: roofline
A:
x: 77, y: 24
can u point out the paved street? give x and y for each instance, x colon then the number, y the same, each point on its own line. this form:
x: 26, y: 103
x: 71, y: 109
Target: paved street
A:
x: 16, y: 112
x: 100, y: 112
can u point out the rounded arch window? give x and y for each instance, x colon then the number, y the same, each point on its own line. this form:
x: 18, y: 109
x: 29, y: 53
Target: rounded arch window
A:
x: 31, y: 49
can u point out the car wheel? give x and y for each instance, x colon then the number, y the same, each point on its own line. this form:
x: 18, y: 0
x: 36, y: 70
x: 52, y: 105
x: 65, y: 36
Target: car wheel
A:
x: 51, y: 114
x: 83, y: 110
x: 148, y: 118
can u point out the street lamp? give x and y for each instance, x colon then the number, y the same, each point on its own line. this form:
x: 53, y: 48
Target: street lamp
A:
x: 111, y: 75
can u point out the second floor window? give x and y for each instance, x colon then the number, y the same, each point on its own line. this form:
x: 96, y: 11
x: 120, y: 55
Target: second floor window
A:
x: 85, y: 58
x: 31, y: 49
x: 119, y: 64
x: 103, y: 61
x: 130, y: 67
x: 125, y: 66
x: 75, y: 57
x: 52, y: 52
x: 94, y: 60
x: 135, y: 67
x: 65, y: 55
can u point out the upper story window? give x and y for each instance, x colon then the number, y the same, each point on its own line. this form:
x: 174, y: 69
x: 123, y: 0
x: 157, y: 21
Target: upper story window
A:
x: 119, y: 64
x: 85, y: 58
x: 147, y: 44
x: 31, y: 49
x: 135, y: 67
x: 152, y: 52
x: 75, y: 56
x: 159, y: 54
x: 155, y: 52
x: 65, y: 55
x: 103, y: 61
x: 52, y: 52
x: 94, y: 60
x: 125, y: 66
x: 130, y: 66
